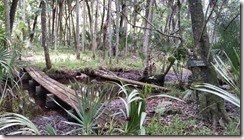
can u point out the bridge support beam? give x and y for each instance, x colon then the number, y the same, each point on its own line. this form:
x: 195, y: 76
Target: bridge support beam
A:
x: 49, y: 101
x: 32, y: 84
x: 40, y: 92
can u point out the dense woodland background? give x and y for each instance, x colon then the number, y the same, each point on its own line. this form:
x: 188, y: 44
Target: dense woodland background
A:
x: 155, y: 37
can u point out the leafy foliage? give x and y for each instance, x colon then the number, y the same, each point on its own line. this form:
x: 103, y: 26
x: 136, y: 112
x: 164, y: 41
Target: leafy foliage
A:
x: 134, y: 112
x: 89, y: 110
x: 7, y: 70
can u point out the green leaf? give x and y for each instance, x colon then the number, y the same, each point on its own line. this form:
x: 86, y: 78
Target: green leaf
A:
x: 205, y: 87
x: 50, y: 130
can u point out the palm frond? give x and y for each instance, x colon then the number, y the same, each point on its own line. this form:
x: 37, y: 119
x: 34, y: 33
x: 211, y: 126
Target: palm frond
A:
x: 206, y: 87
x: 14, y: 119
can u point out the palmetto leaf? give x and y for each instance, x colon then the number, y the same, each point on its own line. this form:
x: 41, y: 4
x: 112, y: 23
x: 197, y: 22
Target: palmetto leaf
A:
x: 50, y: 130
x: 14, y: 119
x: 205, y: 87
x: 232, y: 79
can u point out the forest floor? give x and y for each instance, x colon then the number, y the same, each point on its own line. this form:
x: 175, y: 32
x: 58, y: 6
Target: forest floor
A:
x: 162, y: 110
x: 169, y: 113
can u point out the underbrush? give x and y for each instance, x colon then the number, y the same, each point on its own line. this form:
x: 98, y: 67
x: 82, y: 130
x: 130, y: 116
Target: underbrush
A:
x: 179, y: 127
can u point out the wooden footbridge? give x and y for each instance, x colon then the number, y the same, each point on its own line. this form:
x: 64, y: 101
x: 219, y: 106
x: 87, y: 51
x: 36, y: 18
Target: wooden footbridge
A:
x: 54, y: 87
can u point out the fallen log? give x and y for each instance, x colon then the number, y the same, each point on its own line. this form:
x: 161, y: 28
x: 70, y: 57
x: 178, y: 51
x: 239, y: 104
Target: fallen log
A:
x: 110, y: 76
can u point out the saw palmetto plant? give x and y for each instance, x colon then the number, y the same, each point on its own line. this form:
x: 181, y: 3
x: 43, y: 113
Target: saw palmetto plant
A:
x: 230, y: 76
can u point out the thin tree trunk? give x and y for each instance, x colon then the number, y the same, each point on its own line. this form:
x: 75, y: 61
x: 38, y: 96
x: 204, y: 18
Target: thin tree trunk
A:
x: 89, y: 11
x: 167, y: 21
x: 135, y: 29
x: 83, y: 27
x: 60, y: 23
x: 126, y: 27
x: 44, y: 35
x: 123, y: 11
x: 117, y: 30
x: 23, y: 9
x: 49, y: 29
x: 110, y: 31
x: 65, y: 39
x: 179, y: 22
x: 70, y: 22
x: 77, y: 29
x: 53, y: 20
x: 56, y: 30
x: 103, y: 15
x: 34, y: 26
x: 95, y: 31
x: 13, y: 9
x: 66, y: 27
x: 104, y: 39
x: 74, y: 33
x: 7, y: 22
x: 147, y: 32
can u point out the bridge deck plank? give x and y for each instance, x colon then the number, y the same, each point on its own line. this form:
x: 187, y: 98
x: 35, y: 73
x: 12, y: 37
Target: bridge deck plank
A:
x: 63, y: 92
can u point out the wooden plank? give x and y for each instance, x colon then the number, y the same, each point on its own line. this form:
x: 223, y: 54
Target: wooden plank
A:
x: 57, y: 93
x: 62, y: 88
x: 54, y: 87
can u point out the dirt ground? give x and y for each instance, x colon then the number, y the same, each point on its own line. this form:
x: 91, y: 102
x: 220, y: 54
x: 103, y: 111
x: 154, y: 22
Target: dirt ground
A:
x: 186, y: 111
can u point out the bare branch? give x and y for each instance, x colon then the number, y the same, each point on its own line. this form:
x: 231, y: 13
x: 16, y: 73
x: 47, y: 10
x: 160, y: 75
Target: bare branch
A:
x: 160, y: 32
x: 207, y: 20
x: 231, y: 22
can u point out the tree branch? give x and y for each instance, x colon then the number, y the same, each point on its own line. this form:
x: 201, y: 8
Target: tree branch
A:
x: 159, y: 30
x: 207, y: 21
x: 231, y: 22
x: 152, y: 29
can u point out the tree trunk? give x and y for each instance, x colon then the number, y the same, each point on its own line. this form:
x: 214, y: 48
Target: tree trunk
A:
x: 103, y: 15
x: 83, y: 27
x: 211, y: 106
x: 60, y: 23
x: 13, y: 9
x: 104, y: 39
x: 109, y: 31
x: 77, y: 29
x: 95, y: 32
x: 34, y: 26
x: 147, y: 31
x: 53, y: 20
x: 70, y: 22
x: 7, y: 22
x: 44, y: 35
x: 23, y: 10
x: 66, y: 32
x: 179, y: 22
x: 126, y: 27
x: 105, y: 75
x: 135, y: 29
x: 117, y: 30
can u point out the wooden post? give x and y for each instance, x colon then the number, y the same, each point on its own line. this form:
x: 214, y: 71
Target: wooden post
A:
x: 32, y: 84
x: 40, y: 92
x: 49, y: 101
